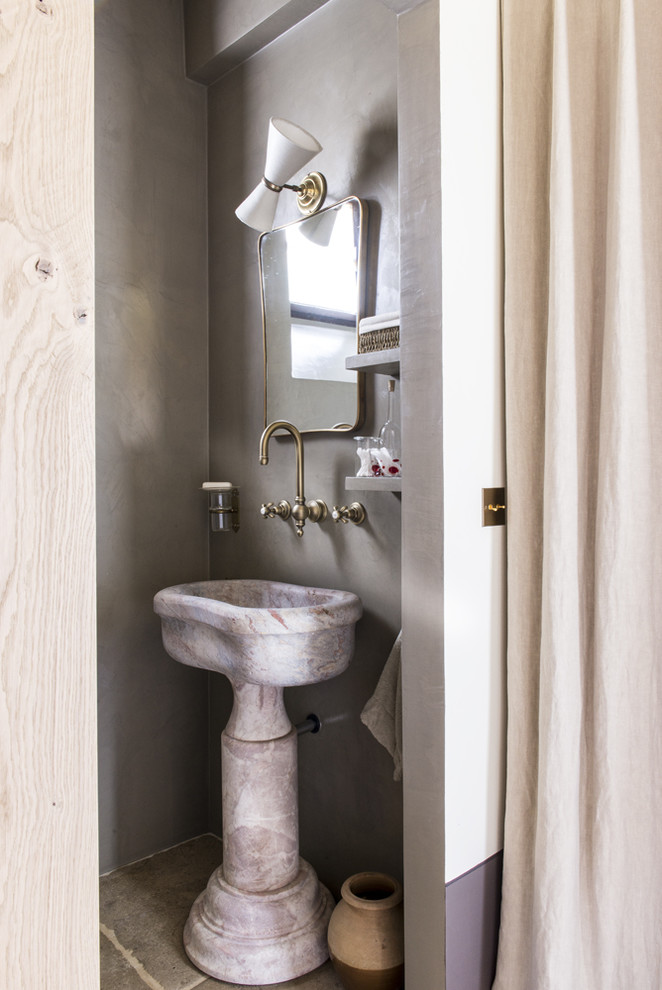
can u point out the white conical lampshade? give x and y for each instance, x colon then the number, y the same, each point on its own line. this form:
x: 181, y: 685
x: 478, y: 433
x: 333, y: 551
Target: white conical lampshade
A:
x: 259, y: 208
x: 289, y: 148
x: 319, y: 228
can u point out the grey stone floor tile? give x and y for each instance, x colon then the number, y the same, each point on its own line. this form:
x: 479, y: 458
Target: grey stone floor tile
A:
x: 116, y: 972
x: 323, y: 978
x: 144, y: 907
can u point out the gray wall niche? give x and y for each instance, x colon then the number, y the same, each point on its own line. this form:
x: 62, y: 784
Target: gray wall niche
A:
x: 152, y: 445
x: 335, y: 74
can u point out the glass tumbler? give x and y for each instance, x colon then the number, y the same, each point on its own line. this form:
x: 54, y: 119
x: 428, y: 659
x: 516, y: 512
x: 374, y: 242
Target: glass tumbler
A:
x: 367, y: 452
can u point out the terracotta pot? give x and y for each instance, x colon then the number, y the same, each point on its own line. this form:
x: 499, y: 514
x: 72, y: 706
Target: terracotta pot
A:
x: 366, y: 933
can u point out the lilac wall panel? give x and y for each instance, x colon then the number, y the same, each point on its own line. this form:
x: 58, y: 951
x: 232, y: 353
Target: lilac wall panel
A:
x: 473, y: 903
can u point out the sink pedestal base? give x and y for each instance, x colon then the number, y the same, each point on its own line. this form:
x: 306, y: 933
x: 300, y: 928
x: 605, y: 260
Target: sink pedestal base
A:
x: 264, y: 915
x: 263, y: 938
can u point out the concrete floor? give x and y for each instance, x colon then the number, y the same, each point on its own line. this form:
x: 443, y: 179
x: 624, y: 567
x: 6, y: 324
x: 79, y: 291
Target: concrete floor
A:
x: 142, y: 911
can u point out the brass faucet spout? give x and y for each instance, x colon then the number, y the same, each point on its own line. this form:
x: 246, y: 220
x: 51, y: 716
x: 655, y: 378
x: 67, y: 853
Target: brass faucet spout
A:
x: 282, y: 424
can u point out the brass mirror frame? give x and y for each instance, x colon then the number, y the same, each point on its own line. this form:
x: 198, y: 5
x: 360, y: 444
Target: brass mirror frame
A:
x: 361, y: 287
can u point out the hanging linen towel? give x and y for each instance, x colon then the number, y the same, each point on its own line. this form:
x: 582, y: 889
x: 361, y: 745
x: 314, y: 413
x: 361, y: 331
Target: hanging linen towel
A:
x: 382, y: 714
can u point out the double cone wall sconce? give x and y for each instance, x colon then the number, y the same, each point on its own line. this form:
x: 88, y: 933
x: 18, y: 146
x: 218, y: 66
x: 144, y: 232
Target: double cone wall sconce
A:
x: 289, y: 148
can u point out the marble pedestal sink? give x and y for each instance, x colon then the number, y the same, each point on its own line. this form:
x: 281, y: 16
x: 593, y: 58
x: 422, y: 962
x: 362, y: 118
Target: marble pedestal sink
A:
x: 264, y: 915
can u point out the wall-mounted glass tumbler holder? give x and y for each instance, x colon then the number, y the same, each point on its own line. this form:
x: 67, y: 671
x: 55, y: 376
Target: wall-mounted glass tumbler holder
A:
x: 223, y: 506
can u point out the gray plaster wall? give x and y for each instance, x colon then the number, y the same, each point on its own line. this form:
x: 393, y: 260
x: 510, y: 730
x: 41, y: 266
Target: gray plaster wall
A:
x: 221, y: 34
x: 152, y: 443
x: 335, y: 74
x: 423, y: 685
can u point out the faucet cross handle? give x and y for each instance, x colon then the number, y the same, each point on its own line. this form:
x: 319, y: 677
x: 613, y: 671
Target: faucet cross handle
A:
x: 270, y: 510
x: 354, y: 513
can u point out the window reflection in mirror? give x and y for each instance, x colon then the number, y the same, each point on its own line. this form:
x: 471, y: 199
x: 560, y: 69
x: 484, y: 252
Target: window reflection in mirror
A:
x: 312, y: 279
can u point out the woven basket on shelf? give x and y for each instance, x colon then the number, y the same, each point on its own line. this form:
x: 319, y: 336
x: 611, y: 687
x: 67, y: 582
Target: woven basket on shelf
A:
x: 382, y: 339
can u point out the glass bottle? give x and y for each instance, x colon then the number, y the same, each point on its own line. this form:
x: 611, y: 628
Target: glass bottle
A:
x: 389, y: 452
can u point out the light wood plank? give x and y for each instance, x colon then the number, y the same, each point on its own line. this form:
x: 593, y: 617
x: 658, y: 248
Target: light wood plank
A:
x: 48, y: 858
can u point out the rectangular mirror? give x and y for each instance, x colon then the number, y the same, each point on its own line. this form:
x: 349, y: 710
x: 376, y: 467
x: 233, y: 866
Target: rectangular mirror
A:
x: 312, y: 276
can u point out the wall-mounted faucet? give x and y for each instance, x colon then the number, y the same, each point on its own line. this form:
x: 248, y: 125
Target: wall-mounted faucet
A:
x: 315, y: 510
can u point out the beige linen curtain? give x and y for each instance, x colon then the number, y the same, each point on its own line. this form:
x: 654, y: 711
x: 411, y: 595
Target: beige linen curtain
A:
x: 582, y: 896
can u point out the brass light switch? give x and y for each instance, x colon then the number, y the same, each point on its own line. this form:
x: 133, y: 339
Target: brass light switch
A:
x: 494, y: 506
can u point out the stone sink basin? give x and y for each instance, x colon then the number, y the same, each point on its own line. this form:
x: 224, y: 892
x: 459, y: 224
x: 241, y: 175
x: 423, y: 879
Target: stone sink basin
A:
x: 260, y: 632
